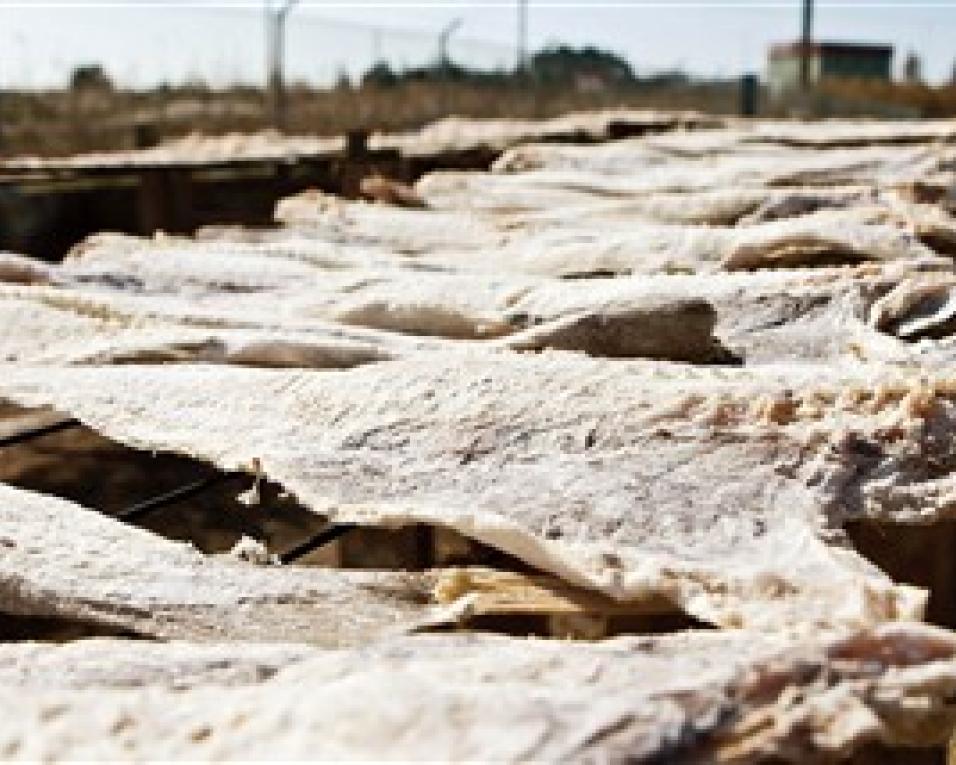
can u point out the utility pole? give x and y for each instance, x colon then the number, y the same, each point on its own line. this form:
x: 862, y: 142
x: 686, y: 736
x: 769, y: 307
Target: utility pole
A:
x: 521, y: 52
x: 376, y: 45
x: 443, y: 37
x: 275, y: 52
x: 806, y: 44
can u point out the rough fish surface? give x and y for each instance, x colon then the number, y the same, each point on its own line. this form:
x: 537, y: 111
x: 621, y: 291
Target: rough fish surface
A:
x: 661, y: 382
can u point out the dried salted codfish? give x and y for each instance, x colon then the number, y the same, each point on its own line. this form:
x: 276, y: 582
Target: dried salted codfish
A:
x: 775, y: 313
x: 729, y: 697
x: 848, y: 133
x: 675, y: 330
x: 60, y: 560
x: 920, y: 307
x: 714, y: 489
x: 99, y: 663
x: 85, y: 572
x: 681, y: 160
x: 461, y: 134
x: 191, y: 150
x: 77, y: 327
x: 59, y: 327
x: 515, y: 200
x: 575, y: 247
x: 344, y: 320
x: 764, y: 316
x: 437, y: 371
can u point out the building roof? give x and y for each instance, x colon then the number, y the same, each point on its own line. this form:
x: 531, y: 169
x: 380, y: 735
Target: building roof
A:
x: 785, y: 50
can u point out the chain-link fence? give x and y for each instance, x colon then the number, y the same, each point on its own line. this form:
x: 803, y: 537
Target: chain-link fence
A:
x: 146, y: 44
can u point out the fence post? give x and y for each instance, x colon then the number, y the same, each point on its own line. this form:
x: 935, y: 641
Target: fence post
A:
x: 749, y: 87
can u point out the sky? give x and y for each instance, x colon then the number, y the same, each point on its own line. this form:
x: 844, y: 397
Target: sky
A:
x: 143, y: 42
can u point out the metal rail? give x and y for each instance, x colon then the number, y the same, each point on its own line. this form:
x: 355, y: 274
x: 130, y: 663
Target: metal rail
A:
x: 160, y: 501
x: 319, y: 540
x: 151, y: 505
x: 43, y: 430
x: 181, y: 493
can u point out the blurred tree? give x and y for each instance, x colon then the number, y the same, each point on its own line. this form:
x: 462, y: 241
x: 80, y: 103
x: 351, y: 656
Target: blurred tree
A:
x: 562, y: 64
x: 342, y: 81
x: 380, y: 75
x: 90, y: 77
x: 673, y: 78
x: 583, y: 69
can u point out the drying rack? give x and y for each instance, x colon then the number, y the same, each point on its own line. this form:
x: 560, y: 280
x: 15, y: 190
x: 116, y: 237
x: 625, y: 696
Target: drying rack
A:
x: 147, y: 507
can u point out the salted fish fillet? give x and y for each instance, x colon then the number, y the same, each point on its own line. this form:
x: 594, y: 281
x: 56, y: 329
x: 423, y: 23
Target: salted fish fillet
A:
x: 447, y: 135
x: 717, y: 490
x: 79, y: 570
x: 580, y: 247
x: 191, y: 150
x: 63, y: 326
x: 731, y: 697
x: 54, y: 326
x: 391, y: 310
x: 61, y: 560
x: 454, y: 133
x: 766, y: 316
x: 110, y: 663
x: 859, y: 132
x: 711, y: 160
x: 469, y: 299
x: 516, y: 200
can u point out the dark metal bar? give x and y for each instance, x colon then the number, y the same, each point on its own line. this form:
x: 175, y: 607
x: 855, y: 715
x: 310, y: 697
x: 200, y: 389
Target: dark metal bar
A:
x: 319, y: 540
x: 27, y: 435
x: 806, y: 44
x: 152, y: 504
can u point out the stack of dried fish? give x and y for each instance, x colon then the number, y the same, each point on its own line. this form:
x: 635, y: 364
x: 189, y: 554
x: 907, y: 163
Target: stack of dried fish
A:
x: 686, y: 399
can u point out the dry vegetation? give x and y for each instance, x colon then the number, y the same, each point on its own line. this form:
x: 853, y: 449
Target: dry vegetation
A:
x: 70, y: 121
x: 913, y: 99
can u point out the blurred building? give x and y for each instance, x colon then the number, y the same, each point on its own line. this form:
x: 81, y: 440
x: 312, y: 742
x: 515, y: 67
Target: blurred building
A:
x: 827, y: 60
